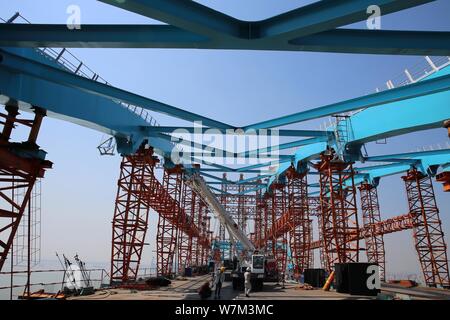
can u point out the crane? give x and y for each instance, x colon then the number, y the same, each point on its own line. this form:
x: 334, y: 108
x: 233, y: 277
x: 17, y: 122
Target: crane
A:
x: 253, y: 259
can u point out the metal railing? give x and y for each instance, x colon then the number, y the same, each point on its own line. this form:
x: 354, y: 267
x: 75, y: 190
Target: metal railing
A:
x: 412, y: 75
x: 17, y: 287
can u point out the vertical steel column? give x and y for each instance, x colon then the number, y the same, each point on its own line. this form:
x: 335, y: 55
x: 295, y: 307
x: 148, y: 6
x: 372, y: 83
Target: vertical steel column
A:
x: 195, y: 240
x: 206, y: 235
x: 429, y: 238
x: 268, y: 243
x: 339, y: 212
x: 371, y: 217
x: 279, y: 243
x: 184, y: 239
x: 17, y: 175
x: 130, y: 218
x: 223, y: 201
x: 300, y: 223
x: 259, y: 210
x: 167, y: 232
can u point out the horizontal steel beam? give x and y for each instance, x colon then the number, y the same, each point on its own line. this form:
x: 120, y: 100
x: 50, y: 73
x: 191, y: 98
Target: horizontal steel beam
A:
x: 388, y: 42
x: 327, y: 15
x: 24, y: 65
x: 199, y: 130
x: 188, y: 15
x: 422, y: 88
x: 98, y: 36
x: 165, y: 36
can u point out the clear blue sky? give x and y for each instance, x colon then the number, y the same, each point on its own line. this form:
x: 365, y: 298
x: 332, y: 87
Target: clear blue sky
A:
x: 238, y: 87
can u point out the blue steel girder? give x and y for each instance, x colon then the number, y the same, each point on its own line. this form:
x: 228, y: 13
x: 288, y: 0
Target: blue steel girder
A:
x: 199, y: 130
x: 19, y: 61
x: 304, y: 21
x: 170, y: 37
x: 438, y: 83
x: 193, y: 25
x: 399, y: 117
x: 426, y: 162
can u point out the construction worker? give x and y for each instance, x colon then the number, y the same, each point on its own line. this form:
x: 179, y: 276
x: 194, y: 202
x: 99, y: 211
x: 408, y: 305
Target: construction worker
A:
x: 219, y: 279
x: 247, y: 281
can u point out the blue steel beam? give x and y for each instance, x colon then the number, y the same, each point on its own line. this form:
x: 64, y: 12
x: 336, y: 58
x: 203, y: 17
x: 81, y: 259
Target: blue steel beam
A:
x: 314, y: 18
x: 284, y: 146
x: 422, y: 88
x: 326, y: 15
x: 281, y: 133
x: 188, y: 15
x: 425, y: 161
x: 390, y: 42
x: 420, y: 113
x: 164, y: 36
x: 13, y: 60
x: 76, y: 106
x: 98, y: 36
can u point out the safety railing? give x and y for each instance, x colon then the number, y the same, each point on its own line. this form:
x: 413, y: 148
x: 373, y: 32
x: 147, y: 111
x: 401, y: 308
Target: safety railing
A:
x: 13, y: 284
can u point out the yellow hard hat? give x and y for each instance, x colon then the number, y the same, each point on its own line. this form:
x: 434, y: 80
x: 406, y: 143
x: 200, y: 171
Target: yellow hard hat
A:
x: 222, y: 269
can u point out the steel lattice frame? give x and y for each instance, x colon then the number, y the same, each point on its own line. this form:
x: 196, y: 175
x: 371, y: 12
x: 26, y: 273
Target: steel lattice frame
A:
x: 300, y: 231
x: 195, y: 248
x: 371, y: 218
x: 184, y: 239
x: 259, y: 224
x: 339, y: 212
x: 429, y: 238
x: 131, y: 211
x: 168, y: 223
x: 279, y: 241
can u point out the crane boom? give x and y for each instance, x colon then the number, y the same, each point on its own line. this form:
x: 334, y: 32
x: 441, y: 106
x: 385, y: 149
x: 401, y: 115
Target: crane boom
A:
x: 199, y: 185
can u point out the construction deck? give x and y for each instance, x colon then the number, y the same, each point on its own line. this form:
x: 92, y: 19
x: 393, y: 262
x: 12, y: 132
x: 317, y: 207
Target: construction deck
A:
x: 187, y: 290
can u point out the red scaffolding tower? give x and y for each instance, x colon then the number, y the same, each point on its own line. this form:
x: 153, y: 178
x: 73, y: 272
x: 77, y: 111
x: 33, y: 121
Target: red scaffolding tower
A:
x: 372, y: 217
x: 279, y: 239
x: 429, y: 238
x: 131, y: 214
x: 169, y: 220
x: 20, y: 165
x: 339, y: 212
x: 300, y: 230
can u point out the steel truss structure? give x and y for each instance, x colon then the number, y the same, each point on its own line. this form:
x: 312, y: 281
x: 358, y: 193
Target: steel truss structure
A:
x: 339, y: 212
x: 427, y: 228
x: 20, y: 165
x: 300, y: 231
x: 372, y: 217
x: 281, y: 212
x: 130, y: 220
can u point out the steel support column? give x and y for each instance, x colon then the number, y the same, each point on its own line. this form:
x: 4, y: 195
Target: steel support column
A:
x: 279, y: 243
x: 185, y: 239
x: 130, y: 219
x: 371, y: 219
x: 300, y: 229
x: 339, y: 211
x: 18, y: 175
x: 168, y: 229
x: 429, y: 238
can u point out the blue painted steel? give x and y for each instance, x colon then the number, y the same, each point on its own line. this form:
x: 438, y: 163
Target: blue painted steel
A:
x: 439, y: 83
x: 22, y: 61
x: 170, y: 37
x: 424, y: 162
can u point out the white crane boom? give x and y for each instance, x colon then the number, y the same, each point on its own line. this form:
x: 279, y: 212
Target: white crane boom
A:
x: 199, y: 185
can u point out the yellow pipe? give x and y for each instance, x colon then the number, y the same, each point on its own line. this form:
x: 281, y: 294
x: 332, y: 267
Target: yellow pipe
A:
x: 326, y: 286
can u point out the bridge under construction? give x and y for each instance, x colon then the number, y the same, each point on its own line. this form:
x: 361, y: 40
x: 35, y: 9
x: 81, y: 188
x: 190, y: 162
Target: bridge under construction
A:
x: 321, y: 200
